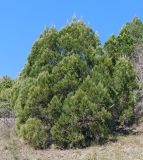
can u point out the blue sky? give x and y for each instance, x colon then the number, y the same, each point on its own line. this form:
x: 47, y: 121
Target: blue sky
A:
x: 22, y: 21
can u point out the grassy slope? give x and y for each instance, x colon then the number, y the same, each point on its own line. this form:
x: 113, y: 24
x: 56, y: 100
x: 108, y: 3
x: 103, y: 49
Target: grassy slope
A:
x: 126, y: 148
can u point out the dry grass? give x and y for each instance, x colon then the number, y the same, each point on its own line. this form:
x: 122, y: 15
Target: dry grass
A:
x: 126, y: 148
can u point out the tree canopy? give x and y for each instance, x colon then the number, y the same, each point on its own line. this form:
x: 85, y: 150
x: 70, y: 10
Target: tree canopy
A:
x: 73, y: 92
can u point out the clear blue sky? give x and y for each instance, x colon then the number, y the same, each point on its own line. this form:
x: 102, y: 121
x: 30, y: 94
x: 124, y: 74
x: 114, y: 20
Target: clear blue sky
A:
x: 21, y: 22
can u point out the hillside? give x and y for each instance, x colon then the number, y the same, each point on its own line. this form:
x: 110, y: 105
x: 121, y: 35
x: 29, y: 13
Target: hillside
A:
x: 128, y: 147
x: 75, y: 99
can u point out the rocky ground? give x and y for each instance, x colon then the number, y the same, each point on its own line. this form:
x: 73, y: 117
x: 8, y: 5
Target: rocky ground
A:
x: 126, y: 148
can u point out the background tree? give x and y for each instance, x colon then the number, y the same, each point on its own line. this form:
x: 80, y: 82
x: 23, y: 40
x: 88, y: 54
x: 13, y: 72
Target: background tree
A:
x: 6, y: 84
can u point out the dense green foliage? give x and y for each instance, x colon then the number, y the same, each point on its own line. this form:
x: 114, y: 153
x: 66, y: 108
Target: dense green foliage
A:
x: 34, y: 132
x: 72, y: 92
x: 6, y: 84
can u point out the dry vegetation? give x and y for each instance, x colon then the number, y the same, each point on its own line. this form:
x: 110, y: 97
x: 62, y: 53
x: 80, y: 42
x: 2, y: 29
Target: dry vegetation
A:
x: 126, y: 148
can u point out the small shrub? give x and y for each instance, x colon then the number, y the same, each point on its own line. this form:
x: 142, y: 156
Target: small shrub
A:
x: 34, y: 132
